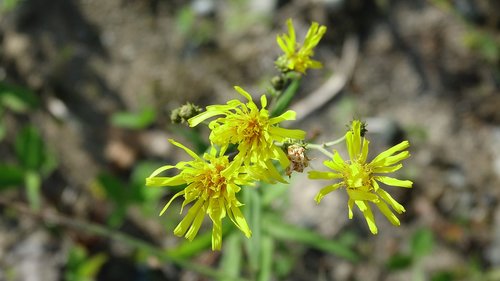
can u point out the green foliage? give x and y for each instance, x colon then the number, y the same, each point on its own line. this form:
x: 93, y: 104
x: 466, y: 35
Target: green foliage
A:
x: 10, y: 176
x: 124, y: 194
x: 8, y: 5
x: 30, y: 149
x: 82, y: 267
x: 231, y: 261
x: 288, y: 232
x: 421, y: 245
x: 484, y: 43
x: 286, y: 98
x: 136, y: 121
x: 17, y: 99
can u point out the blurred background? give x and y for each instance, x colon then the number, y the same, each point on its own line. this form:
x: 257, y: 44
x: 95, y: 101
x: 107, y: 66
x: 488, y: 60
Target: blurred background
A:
x: 86, y: 91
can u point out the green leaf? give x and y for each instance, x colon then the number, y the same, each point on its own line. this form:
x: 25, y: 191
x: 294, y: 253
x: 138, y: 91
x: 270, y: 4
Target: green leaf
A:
x: 131, y: 120
x: 443, y: 276
x: 3, y: 131
x: 91, y: 267
x: 140, y: 193
x: 119, y: 193
x: 81, y: 267
x: 33, y: 183
x: 399, y: 261
x: 30, y: 148
x: 18, y: 99
x: 422, y: 243
x: 266, y: 261
x: 230, y: 263
x: 281, y: 230
x: 252, y: 212
x: 10, y: 176
x: 285, y: 99
x: 115, y: 189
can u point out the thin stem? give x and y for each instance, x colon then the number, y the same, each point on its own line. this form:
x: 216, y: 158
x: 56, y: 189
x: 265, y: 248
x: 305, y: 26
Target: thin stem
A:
x: 322, y: 147
x: 331, y: 143
x: 54, y: 218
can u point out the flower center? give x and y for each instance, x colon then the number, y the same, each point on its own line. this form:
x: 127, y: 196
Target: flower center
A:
x: 357, y: 176
x: 253, y: 129
x: 214, y: 182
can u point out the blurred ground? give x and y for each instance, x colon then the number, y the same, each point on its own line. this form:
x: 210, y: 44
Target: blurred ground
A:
x: 427, y: 71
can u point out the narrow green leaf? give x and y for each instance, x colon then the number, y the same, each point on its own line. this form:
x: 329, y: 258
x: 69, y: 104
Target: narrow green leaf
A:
x: 281, y: 230
x: 30, y: 148
x: 3, y: 131
x: 90, y: 267
x: 18, y: 99
x: 399, y: 261
x: 230, y: 263
x: 33, y: 183
x: 130, y: 120
x: 115, y: 189
x: 252, y: 212
x: 266, y: 264
x: 10, y: 176
x: 286, y: 98
x: 422, y: 243
x: 139, y: 192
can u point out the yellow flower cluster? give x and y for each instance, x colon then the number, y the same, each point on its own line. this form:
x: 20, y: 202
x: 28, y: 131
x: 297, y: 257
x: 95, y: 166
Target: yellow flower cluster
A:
x: 360, y: 179
x: 249, y: 145
x: 297, y: 57
x: 213, y: 180
x: 212, y: 183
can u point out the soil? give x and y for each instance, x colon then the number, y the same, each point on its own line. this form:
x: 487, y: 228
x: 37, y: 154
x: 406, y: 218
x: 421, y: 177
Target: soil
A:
x: 415, y: 78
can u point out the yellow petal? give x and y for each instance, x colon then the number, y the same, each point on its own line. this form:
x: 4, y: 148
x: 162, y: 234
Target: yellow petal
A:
x: 398, y: 147
x: 288, y: 115
x: 283, y: 133
x: 387, y: 169
x: 394, y: 182
x: 388, y: 213
x: 367, y: 213
x: 356, y: 194
x: 195, y: 120
x: 239, y: 220
x: 195, y: 226
x: 243, y: 93
x: 323, y: 175
x: 183, y: 226
x: 325, y: 190
x: 170, y: 201
x: 388, y: 198
x: 165, y: 181
x: 188, y: 151
x: 350, y: 205
x: 364, y: 151
x: 263, y: 101
x: 160, y: 170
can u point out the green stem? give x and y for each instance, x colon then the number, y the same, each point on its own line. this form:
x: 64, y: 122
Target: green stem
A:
x: 322, y: 147
x: 101, y: 230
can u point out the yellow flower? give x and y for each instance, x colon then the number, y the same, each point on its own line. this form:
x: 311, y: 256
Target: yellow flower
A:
x: 361, y: 178
x: 212, y: 183
x: 296, y: 57
x: 254, y: 132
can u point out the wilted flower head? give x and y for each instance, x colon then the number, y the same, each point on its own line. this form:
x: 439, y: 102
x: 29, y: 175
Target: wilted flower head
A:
x: 212, y: 183
x: 254, y: 132
x: 296, y: 153
x: 360, y: 178
x: 297, y: 57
